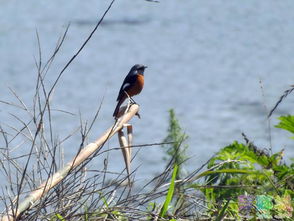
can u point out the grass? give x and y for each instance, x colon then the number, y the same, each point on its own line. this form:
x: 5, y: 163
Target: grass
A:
x: 170, y: 193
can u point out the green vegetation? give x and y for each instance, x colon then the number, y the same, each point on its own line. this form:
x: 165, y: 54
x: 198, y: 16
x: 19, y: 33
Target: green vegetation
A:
x: 238, y: 172
x: 170, y: 193
x: 286, y: 123
x: 175, y: 146
x: 241, y: 181
x: 242, y: 170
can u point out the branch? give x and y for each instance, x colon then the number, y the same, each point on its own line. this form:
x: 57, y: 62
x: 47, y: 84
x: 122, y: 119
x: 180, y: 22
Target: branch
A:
x: 56, y: 178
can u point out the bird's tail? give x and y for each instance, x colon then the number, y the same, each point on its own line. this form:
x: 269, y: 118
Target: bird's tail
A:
x: 117, y: 107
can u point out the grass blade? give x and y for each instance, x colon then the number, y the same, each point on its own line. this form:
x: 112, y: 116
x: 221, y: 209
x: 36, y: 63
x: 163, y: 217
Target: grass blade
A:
x: 170, y: 193
x: 222, y: 212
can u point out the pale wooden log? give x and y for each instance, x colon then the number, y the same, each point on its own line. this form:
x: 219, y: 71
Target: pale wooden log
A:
x: 130, y: 138
x: 124, y: 148
x: 62, y: 173
x: 125, y: 145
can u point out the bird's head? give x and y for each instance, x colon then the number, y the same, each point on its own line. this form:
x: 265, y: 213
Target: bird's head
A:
x: 138, y: 69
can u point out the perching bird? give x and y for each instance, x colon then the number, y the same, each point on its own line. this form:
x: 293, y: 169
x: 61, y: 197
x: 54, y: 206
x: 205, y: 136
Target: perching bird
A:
x: 132, y: 85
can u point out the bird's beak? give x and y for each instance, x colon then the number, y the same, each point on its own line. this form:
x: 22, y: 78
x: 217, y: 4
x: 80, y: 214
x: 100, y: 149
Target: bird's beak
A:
x: 145, y: 66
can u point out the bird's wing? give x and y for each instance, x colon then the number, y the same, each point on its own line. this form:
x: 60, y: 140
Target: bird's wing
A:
x: 129, y: 80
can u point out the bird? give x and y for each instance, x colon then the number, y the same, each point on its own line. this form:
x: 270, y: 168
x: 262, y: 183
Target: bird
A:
x: 131, y: 86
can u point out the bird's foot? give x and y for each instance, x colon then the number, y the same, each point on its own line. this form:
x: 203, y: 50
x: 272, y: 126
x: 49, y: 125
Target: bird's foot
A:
x: 138, y: 115
x: 132, y: 101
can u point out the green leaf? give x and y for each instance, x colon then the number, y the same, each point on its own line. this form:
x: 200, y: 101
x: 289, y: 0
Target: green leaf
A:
x: 86, y: 217
x: 286, y: 123
x: 170, y: 193
x: 104, y: 200
x: 238, y: 171
x: 59, y: 217
x: 222, y: 212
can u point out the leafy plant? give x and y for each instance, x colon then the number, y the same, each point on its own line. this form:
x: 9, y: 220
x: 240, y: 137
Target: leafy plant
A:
x: 174, y: 146
x: 286, y: 123
x: 239, y: 169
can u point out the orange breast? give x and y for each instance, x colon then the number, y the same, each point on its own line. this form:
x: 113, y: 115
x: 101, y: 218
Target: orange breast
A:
x: 137, y: 87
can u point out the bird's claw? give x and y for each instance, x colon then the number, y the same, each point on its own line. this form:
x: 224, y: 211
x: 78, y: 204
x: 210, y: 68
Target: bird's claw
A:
x: 138, y: 115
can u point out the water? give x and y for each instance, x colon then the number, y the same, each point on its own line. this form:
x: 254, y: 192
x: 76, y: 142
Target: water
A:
x: 206, y: 60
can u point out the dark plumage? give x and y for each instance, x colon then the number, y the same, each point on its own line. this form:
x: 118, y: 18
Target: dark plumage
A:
x: 132, y: 85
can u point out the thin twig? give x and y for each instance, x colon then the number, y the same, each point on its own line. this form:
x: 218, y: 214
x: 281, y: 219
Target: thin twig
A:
x: 285, y: 94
